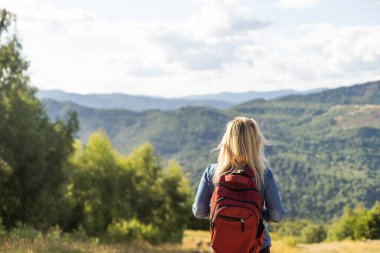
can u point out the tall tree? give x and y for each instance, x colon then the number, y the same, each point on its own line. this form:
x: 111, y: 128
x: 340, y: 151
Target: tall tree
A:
x: 95, y: 184
x: 177, y: 205
x: 33, y: 150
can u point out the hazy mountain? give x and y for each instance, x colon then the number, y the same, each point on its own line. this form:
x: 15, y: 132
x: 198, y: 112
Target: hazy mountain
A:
x: 240, y: 97
x: 324, y: 153
x: 129, y: 102
x: 140, y: 103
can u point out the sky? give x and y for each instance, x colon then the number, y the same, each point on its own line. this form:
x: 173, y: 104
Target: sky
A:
x: 175, y: 48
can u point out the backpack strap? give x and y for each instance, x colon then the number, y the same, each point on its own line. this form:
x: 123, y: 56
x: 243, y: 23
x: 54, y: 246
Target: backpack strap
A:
x: 261, y: 228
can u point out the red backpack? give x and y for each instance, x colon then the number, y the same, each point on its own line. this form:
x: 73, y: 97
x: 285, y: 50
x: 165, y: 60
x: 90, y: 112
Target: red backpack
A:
x: 235, y: 217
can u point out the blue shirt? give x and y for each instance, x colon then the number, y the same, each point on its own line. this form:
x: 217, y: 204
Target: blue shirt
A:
x: 273, y: 210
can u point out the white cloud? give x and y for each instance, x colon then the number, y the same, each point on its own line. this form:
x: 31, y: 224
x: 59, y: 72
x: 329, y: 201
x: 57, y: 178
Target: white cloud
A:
x: 210, y: 38
x: 347, y: 48
x: 297, y: 4
x: 222, y: 46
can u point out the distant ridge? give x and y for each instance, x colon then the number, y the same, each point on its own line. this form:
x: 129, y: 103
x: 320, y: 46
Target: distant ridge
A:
x: 128, y: 102
x: 141, y: 103
x: 240, y: 97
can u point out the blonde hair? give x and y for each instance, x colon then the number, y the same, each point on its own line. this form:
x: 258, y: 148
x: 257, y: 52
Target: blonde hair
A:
x: 242, y: 145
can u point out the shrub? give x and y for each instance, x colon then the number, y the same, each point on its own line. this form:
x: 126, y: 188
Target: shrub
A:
x: 358, y: 224
x: 80, y: 234
x: 54, y: 233
x: 127, y: 230
x: 25, y: 232
x: 313, y: 233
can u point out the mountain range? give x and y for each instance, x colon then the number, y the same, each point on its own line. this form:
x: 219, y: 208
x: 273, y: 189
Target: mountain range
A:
x: 240, y: 97
x: 140, y: 103
x: 324, y: 149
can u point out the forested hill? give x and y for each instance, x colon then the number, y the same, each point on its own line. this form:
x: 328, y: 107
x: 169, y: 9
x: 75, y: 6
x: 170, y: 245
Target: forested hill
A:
x: 325, y: 150
x: 356, y: 94
x: 367, y: 93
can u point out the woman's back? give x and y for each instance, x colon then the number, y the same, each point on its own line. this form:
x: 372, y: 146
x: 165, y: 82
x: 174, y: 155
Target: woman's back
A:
x: 273, y: 210
x: 241, y: 148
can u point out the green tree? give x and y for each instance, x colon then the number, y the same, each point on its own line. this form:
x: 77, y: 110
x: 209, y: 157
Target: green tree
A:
x: 374, y: 221
x: 343, y: 227
x: 94, y: 184
x: 357, y: 224
x: 148, y: 196
x: 33, y: 150
x: 177, y: 205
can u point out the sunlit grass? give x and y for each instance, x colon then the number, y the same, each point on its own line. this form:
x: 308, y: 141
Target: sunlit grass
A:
x: 194, y: 241
x: 330, y: 247
x: 61, y: 246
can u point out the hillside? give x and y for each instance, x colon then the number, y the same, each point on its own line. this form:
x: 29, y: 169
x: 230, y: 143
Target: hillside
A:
x: 324, y: 154
x: 356, y: 94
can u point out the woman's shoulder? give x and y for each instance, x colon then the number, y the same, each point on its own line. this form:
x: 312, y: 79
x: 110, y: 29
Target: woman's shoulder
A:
x: 267, y: 173
x: 210, y: 170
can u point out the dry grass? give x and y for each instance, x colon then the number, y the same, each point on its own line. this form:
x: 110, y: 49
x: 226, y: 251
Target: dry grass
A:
x: 343, y: 247
x: 60, y: 246
x: 194, y: 241
x: 288, y: 245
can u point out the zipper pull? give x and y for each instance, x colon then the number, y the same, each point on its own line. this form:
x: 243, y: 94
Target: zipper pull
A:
x: 242, y: 225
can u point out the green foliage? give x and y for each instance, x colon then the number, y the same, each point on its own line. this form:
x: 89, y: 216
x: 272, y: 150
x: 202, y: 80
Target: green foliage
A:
x: 94, y: 183
x: 53, y: 233
x: 33, y: 150
x: 126, y: 197
x: 305, y: 231
x: 24, y: 231
x: 313, y: 233
x: 357, y: 224
x: 178, y: 198
x: 80, y: 234
x: 127, y: 230
x: 374, y: 221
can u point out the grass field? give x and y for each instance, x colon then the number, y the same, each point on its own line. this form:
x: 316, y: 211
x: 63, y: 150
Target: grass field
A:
x: 194, y: 241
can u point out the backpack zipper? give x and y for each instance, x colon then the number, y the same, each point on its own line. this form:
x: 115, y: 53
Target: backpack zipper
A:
x: 216, y: 211
x: 213, y: 218
x: 233, y: 219
x: 223, y: 198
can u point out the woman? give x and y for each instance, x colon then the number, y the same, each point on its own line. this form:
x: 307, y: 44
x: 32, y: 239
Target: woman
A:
x: 242, y: 146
